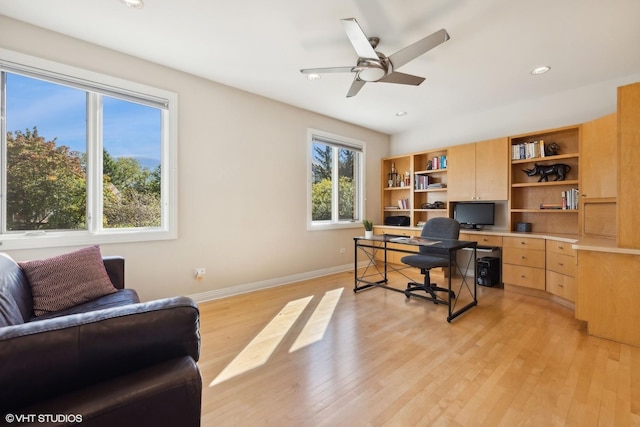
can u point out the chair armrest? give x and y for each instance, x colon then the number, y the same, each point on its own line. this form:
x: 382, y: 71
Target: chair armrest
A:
x: 115, y: 269
x: 49, y: 357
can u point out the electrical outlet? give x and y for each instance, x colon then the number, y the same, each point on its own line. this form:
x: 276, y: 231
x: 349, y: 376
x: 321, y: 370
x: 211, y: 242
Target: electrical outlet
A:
x: 343, y: 250
x: 200, y: 272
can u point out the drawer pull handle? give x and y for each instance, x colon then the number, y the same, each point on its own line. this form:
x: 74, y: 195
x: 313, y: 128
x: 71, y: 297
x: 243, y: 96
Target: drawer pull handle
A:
x: 561, y: 247
x: 560, y: 285
x: 522, y: 243
x: 523, y: 257
x: 560, y: 264
x: 522, y: 276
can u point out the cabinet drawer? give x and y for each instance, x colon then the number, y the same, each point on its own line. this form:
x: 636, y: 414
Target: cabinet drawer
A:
x: 529, y: 277
x: 525, y: 257
x: 563, y: 264
x: 400, y: 231
x: 560, y: 248
x: 523, y: 242
x: 561, y: 285
x: 482, y: 239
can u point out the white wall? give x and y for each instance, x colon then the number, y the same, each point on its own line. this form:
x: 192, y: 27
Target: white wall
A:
x: 242, y: 180
x: 530, y: 115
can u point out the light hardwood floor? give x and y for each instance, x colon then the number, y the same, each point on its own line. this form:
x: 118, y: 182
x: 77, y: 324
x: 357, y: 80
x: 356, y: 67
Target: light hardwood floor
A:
x: 514, y: 360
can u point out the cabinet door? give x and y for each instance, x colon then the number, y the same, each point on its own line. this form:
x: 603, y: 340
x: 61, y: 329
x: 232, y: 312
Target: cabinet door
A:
x: 598, y: 158
x: 492, y: 169
x: 461, y: 171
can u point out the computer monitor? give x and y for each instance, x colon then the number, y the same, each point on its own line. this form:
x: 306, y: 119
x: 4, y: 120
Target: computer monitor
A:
x: 474, y: 215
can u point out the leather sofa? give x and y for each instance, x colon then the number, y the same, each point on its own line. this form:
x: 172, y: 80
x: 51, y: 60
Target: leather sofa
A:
x: 112, y: 361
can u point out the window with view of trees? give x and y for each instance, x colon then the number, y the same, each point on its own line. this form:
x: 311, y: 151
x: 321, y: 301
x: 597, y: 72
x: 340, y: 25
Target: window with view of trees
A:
x: 336, y: 180
x: 78, y: 159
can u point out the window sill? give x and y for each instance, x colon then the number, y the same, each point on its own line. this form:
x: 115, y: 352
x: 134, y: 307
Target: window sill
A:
x: 62, y: 239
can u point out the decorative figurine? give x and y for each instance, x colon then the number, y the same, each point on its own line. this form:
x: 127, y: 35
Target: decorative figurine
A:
x: 551, y: 149
x: 560, y: 170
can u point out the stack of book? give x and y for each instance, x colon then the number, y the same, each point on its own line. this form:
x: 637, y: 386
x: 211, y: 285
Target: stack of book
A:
x: 403, y: 203
x: 422, y: 182
x: 436, y: 185
x: 439, y: 162
x: 569, y: 200
x: 527, y: 150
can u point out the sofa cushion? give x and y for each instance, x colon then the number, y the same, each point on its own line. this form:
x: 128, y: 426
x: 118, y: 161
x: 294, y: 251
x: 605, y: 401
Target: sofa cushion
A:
x: 15, y: 293
x: 64, y: 281
x: 116, y: 299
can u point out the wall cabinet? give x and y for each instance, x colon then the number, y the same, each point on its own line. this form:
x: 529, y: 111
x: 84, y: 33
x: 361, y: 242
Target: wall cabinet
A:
x: 547, y: 205
x: 598, y: 177
x: 479, y: 171
x: 628, y: 179
x: 598, y: 158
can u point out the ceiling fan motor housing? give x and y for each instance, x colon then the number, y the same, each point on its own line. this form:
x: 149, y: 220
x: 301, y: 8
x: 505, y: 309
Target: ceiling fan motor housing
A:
x: 373, y: 70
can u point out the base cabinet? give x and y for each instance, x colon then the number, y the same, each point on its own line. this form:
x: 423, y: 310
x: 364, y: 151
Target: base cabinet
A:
x: 523, y: 262
x: 395, y: 257
x: 562, y: 268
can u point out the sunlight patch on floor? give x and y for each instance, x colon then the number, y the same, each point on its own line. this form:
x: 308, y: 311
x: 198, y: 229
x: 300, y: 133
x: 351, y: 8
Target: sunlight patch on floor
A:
x: 316, y: 327
x: 258, y: 351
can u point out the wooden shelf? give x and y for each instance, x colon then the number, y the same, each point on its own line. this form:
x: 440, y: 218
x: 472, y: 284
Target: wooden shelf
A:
x: 547, y: 158
x: 397, y: 188
x: 527, y: 193
x: 545, y: 184
x: 545, y: 210
x: 429, y: 171
x: 430, y: 210
x: 430, y: 190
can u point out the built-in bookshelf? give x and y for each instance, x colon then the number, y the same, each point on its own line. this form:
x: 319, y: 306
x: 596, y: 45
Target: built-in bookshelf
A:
x: 415, y: 186
x: 550, y: 205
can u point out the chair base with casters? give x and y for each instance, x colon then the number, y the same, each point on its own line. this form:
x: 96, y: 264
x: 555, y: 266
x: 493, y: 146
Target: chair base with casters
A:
x: 435, y: 228
x: 428, y: 287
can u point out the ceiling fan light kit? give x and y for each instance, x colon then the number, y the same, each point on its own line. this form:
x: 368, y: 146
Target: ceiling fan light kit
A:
x: 373, y: 66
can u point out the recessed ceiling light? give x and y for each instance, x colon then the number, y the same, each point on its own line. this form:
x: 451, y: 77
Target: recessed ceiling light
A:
x: 540, y: 70
x: 134, y: 4
x: 313, y: 76
x: 401, y: 113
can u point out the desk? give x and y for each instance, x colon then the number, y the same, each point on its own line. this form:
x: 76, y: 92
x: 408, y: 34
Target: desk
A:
x: 379, y: 242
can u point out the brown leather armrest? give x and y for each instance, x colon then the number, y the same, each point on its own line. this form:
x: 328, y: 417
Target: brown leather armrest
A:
x: 115, y: 269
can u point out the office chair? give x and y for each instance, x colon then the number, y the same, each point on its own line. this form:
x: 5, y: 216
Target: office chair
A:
x: 435, y: 228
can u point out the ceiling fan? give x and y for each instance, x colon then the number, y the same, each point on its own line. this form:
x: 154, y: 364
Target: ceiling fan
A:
x: 374, y: 66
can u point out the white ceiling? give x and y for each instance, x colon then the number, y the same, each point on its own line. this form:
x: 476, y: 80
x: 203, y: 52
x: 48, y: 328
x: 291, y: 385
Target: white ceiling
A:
x: 259, y: 46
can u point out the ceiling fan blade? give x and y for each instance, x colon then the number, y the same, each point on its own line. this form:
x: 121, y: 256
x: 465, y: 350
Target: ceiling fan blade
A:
x: 358, y: 39
x: 402, y: 78
x: 328, y: 70
x: 355, y: 87
x: 420, y: 47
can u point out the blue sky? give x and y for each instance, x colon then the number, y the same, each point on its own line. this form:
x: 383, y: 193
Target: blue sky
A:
x: 130, y: 130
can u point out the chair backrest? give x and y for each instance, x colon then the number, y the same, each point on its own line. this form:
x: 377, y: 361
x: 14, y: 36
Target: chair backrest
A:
x: 441, y: 228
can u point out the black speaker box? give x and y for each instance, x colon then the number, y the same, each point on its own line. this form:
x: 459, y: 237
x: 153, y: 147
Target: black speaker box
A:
x: 523, y: 227
x: 488, y: 271
x: 398, y: 220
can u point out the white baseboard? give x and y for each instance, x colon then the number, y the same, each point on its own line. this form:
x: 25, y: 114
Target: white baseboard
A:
x: 270, y: 283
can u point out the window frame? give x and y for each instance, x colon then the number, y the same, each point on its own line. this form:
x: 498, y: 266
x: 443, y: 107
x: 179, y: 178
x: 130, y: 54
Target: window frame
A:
x: 337, y: 141
x: 94, y: 82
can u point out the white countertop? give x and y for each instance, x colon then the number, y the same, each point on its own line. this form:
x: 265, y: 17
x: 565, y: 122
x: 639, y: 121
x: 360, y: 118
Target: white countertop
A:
x: 581, y: 243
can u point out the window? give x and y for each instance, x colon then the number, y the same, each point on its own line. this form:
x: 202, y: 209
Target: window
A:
x: 336, y: 190
x: 85, y: 158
